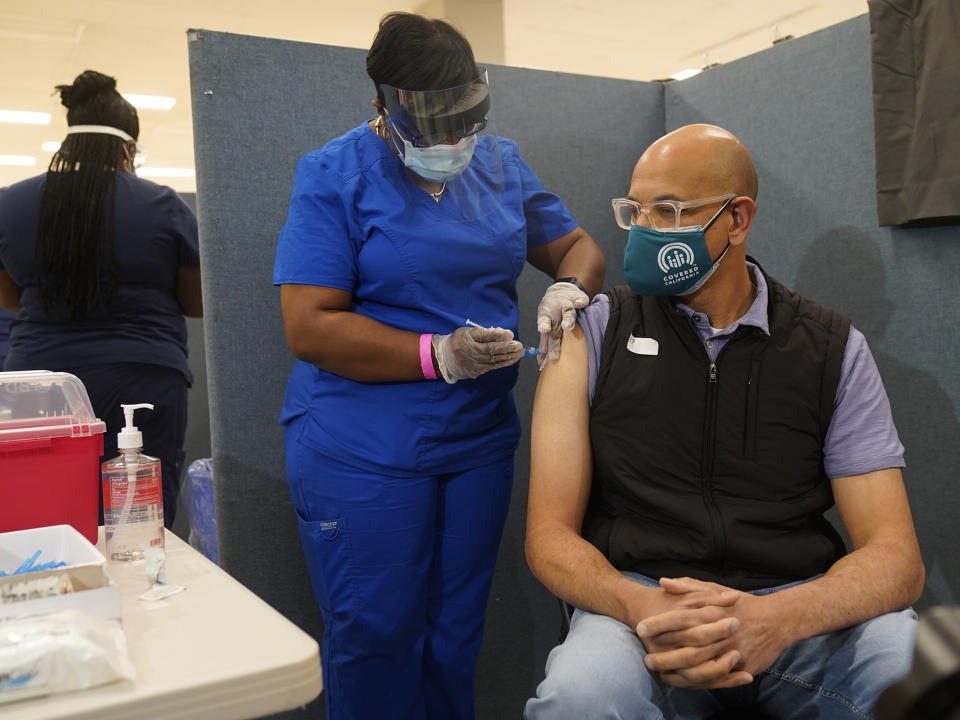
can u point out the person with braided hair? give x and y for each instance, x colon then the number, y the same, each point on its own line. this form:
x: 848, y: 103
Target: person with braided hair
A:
x: 101, y: 267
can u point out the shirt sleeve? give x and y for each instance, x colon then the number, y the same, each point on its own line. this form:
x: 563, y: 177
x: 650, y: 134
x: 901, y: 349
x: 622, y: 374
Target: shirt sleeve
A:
x: 862, y: 437
x: 315, y: 245
x: 593, y: 321
x: 547, y: 216
x: 184, y: 224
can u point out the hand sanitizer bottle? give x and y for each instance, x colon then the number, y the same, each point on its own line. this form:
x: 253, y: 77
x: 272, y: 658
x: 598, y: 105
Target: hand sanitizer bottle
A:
x: 132, y: 497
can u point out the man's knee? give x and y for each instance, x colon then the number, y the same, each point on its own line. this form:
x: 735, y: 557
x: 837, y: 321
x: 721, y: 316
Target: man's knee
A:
x: 887, y: 645
x: 598, y: 672
x: 569, y: 695
x: 842, y: 674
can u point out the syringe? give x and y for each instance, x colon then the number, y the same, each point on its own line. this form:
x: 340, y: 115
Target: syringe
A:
x: 528, y: 350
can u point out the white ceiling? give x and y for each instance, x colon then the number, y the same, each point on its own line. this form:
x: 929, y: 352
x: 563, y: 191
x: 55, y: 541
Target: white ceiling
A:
x: 143, y: 44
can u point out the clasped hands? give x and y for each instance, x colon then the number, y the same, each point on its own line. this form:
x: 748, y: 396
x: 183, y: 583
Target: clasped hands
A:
x: 709, y: 636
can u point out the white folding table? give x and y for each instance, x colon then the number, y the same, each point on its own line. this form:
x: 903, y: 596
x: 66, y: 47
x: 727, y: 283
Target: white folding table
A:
x: 214, y: 651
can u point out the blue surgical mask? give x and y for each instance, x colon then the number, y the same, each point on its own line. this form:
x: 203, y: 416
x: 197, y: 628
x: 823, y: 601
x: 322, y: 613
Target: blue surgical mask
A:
x: 439, y: 163
x: 668, y: 263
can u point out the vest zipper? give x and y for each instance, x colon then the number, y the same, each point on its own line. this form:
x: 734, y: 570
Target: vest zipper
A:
x: 709, y: 441
x: 706, y: 481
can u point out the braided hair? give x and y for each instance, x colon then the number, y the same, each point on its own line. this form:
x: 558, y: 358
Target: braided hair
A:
x: 75, y: 230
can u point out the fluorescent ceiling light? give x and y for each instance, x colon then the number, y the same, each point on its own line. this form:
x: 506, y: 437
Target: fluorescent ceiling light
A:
x: 165, y: 172
x: 22, y: 160
x: 684, y: 74
x: 151, y: 102
x: 50, y: 146
x: 26, y: 118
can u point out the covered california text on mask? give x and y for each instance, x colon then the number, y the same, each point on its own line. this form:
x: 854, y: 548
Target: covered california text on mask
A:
x: 670, y: 262
x: 448, y: 136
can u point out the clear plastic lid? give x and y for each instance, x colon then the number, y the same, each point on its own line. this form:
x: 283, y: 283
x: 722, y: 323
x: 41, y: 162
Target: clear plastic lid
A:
x: 38, y: 404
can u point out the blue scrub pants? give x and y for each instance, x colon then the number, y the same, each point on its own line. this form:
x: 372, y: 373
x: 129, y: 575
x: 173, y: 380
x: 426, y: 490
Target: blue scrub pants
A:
x: 598, y: 672
x: 401, y: 568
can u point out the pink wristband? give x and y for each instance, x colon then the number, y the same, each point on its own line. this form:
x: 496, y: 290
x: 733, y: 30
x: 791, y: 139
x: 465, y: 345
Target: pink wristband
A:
x: 426, y: 357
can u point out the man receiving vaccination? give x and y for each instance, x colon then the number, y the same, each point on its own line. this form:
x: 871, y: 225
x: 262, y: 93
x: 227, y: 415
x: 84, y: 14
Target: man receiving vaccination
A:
x: 685, y: 446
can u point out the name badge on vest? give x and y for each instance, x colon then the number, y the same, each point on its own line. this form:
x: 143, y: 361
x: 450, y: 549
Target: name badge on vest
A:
x: 643, y: 345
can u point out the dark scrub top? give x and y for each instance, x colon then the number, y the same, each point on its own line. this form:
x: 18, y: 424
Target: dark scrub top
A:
x: 355, y: 224
x: 5, y: 318
x: 156, y: 233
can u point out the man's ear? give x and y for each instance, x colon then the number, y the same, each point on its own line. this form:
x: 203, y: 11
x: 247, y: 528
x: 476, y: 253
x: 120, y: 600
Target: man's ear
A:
x: 743, y: 210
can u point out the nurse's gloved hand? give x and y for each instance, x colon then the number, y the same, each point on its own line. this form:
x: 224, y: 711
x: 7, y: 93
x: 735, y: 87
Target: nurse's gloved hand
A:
x: 557, y: 312
x: 469, y: 352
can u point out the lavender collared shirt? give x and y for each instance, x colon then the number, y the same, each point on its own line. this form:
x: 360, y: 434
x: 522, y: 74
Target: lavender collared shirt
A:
x: 861, y: 437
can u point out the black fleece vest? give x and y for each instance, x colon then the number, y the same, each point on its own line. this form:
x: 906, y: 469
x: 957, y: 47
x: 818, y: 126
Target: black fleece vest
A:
x: 715, y: 471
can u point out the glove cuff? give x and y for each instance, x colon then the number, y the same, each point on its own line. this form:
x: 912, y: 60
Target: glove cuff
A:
x: 573, y: 281
x: 437, y: 341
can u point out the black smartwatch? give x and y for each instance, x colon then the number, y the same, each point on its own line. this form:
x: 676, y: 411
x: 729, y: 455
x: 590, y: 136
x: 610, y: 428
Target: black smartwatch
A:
x: 573, y: 281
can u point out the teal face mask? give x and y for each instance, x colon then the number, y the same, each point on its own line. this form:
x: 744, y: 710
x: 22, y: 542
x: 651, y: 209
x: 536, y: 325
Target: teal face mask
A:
x: 669, y: 263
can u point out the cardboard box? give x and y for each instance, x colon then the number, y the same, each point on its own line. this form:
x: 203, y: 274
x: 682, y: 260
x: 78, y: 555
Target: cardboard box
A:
x: 96, y: 593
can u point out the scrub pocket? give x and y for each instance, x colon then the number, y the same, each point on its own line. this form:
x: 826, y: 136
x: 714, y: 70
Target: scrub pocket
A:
x: 323, y: 530
x: 326, y: 549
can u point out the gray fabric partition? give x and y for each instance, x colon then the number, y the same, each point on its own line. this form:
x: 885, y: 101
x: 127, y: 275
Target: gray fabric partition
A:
x: 258, y: 104
x: 197, y: 443
x: 804, y: 110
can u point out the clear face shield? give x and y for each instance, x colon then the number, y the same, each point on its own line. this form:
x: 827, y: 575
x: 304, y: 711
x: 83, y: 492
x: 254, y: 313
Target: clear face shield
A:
x: 449, y: 137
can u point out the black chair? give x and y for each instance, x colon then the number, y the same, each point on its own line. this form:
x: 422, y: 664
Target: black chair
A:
x: 566, y: 611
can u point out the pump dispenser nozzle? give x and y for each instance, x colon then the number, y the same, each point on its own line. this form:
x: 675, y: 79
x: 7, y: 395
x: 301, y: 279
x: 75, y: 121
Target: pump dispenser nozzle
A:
x: 130, y: 437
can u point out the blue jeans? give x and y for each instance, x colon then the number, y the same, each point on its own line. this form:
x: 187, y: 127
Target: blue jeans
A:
x: 598, y: 672
x: 401, y: 568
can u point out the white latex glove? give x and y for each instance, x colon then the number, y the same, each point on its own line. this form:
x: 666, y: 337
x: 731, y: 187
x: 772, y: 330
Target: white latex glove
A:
x: 557, y: 312
x: 469, y: 352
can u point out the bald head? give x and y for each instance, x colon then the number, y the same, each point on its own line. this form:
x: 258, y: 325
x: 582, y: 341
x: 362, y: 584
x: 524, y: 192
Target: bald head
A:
x: 697, y: 161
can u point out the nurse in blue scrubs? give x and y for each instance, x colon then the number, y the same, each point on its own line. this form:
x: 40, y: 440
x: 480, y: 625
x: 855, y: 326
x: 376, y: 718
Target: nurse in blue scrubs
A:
x: 400, y: 421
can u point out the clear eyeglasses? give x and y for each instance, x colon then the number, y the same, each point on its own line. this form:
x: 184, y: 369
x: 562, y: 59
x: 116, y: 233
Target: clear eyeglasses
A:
x: 667, y: 215
x: 449, y: 137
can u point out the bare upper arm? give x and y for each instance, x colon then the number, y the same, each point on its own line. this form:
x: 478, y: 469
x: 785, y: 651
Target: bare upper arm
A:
x: 189, y: 291
x: 547, y: 257
x: 874, y: 508
x: 10, y: 293
x: 560, y: 456
x: 302, y: 306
